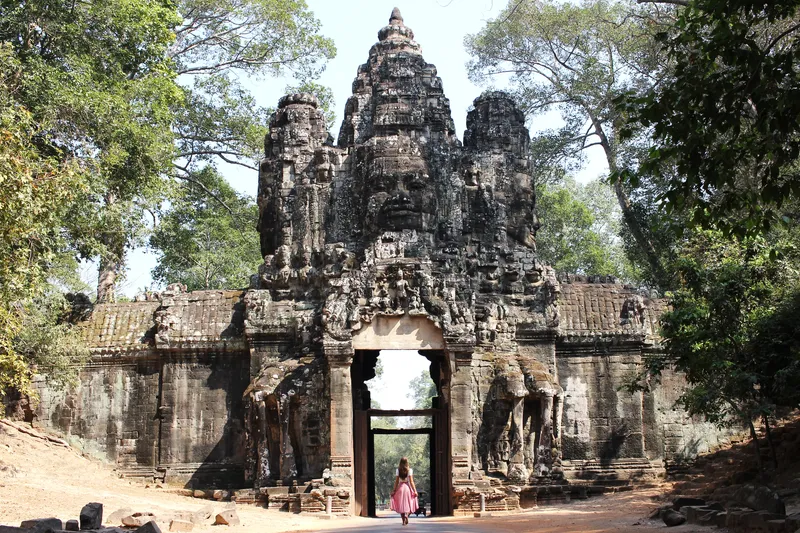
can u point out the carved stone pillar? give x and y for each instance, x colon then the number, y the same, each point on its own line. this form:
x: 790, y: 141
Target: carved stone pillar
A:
x: 340, y: 358
x: 544, y: 459
x: 516, y: 466
x: 461, y: 413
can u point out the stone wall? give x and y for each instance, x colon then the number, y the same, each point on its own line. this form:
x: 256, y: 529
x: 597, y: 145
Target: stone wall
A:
x: 600, y: 421
x: 202, y: 423
x: 111, y: 413
x: 683, y: 437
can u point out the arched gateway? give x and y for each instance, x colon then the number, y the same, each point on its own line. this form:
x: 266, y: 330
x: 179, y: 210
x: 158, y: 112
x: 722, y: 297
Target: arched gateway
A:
x: 397, y: 236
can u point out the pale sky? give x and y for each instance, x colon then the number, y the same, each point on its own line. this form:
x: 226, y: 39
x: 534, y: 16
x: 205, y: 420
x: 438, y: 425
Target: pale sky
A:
x: 400, y: 369
x: 439, y: 27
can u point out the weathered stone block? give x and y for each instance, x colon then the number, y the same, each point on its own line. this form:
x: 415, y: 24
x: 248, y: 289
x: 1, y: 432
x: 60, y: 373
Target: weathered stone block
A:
x: 672, y: 518
x: 42, y: 525
x: 760, y: 498
x: 149, y: 527
x: 227, y: 518
x: 91, y: 516
x: 180, y: 525
x: 138, y: 519
x: 116, y: 517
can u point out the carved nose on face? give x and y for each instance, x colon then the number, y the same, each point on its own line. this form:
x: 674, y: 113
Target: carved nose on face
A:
x: 400, y: 197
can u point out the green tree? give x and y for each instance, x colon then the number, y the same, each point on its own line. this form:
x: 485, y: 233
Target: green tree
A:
x: 580, y: 230
x: 39, y: 187
x: 219, y: 43
x: 101, y: 80
x: 100, y: 90
x: 726, y: 121
x: 732, y: 328
x: 422, y: 390
x: 576, y: 59
x: 207, y: 239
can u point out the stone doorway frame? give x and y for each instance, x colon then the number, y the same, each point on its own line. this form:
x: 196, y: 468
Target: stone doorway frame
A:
x: 441, y: 461
x: 430, y: 431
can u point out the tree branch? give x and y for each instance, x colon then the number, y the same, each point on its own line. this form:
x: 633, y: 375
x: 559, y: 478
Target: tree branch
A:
x: 684, y: 3
x: 187, y: 177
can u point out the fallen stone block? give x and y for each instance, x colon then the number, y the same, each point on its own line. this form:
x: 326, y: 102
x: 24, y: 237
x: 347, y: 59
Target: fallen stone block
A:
x: 203, y: 515
x: 72, y: 525
x: 672, y: 518
x: 682, y: 501
x: 149, y: 527
x: 715, y: 506
x: 116, y: 517
x: 757, y: 520
x: 221, y: 495
x: 709, y: 519
x: 92, y: 516
x: 734, y: 518
x: 695, y: 513
x: 760, y: 498
x: 776, y: 526
x: 42, y: 525
x: 180, y: 525
x: 14, y: 529
x: 721, y: 518
x: 138, y: 519
x: 229, y: 517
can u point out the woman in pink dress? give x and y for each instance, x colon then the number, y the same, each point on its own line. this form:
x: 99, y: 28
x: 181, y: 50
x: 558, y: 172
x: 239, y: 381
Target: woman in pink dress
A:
x: 404, y: 493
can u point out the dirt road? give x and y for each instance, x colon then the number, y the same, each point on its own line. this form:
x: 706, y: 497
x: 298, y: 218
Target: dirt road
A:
x: 41, y: 479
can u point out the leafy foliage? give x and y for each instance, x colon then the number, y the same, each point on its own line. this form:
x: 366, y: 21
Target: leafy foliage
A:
x: 100, y: 90
x: 580, y: 229
x: 50, y: 345
x: 729, y: 327
x: 38, y: 188
x: 217, y: 44
x: 207, y: 240
x: 252, y: 36
x: 726, y: 120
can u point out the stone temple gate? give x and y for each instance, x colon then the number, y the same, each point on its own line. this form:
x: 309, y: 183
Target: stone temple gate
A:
x: 398, y: 235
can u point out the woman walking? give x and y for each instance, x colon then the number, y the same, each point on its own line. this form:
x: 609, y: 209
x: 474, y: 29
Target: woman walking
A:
x: 404, y: 493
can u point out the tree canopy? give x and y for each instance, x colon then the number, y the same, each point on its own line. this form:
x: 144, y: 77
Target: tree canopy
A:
x: 725, y: 121
x: 102, y: 106
x: 580, y: 229
x: 207, y: 239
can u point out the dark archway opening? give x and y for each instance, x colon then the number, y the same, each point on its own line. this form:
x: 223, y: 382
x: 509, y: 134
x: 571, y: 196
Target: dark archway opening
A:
x: 431, y: 422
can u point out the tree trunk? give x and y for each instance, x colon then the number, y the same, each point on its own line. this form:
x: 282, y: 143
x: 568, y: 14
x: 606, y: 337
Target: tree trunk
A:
x: 639, y: 233
x: 107, y: 280
x: 112, y: 261
x: 771, y: 444
x: 755, y: 444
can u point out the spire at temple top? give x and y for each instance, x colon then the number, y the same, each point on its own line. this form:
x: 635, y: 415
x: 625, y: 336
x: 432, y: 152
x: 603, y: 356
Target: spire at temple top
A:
x: 396, y: 30
x: 396, y: 19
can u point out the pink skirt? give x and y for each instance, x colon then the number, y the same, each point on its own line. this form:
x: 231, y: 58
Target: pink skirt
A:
x: 402, y: 501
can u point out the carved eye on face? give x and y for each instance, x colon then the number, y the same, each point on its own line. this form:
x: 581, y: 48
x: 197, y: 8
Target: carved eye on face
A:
x: 415, y: 182
x: 379, y: 185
